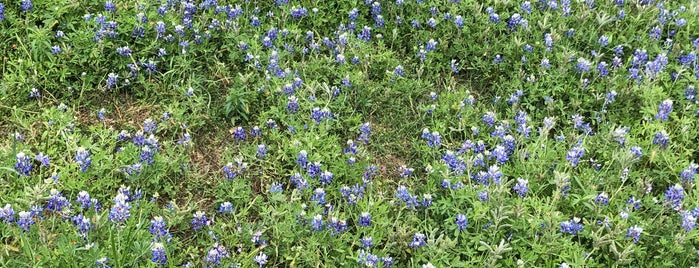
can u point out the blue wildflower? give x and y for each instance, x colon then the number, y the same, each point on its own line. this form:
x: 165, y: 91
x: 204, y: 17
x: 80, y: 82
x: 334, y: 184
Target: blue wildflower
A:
x: 634, y: 233
x: 461, y: 222
x: 365, y: 219
x: 24, y: 164
x: 317, y: 223
x: 521, y: 187
x: 120, y: 211
x: 661, y: 138
x: 571, y: 226
x: 199, y: 221
x: 158, y: 252
x: 664, y: 110
x: 215, y: 255
x: 25, y: 220
x: 418, y: 240
x: 674, y: 196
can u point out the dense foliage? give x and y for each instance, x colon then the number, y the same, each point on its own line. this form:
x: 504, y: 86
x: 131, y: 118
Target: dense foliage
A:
x: 403, y: 133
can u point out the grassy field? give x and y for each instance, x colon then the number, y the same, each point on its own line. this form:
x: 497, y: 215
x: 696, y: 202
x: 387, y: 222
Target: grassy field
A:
x: 402, y: 133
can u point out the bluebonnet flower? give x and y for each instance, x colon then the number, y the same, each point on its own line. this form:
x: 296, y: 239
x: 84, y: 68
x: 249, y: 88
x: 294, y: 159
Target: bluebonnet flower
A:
x: 318, y: 114
x: 500, y: 154
x: 353, y: 14
x: 83, y: 224
x: 454, y: 66
x: 661, y: 138
x: 602, y: 69
x: 365, y: 34
x: 352, y: 194
x: 120, y: 211
x: 147, y: 155
x: 494, y: 17
x: 603, y: 40
x: 690, y: 93
x: 404, y: 171
x: 489, y: 119
x: 2, y: 12
x: 664, y: 110
x: 635, y: 203
x: 521, y: 187
x: 314, y: 169
x: 634, y: 233
x: 34, y: 93
x: 231, y: 171
x: 24, y: 164
x: 459, y: 21
x: 84, y: 200
x: 271, y: 124
x: 292, y: 105
x: 574, y: 155
x: 326, y: 177
x: 497, y: 59
x: 158, y: 252
x: 431, y: 45
x: 260, y: 259
x: 426, y: 200
x: 366, y: 242
x: 102, y: 263
x: 158, y: 228
x: 319, y: 196
x: 369, y: 172
x: 199, y: 221
x: 548, y: 41
x: 124, y: 51
x: 571, y: 226
x: 365, y: 132
x: 261, y: 151
x: 35, y: 210
x: 109, y: 6
x: 275, y: 188
x: 545, y: 63
x: 26, y: 5
x: 298, y: 12
x: 367, y: 259
x: 526, y: 6
x: 239, y: 134
x: 365, y: 219
x: 433, y: 139
x: 7, y: 214
x: 602, y: 199
x: 398, y: 71
x: 298, y: 181
x: 418, y: 240
x: 636, y: 151
x: 112, y: 80
x: 225, y: 207
x: 583, y: 65
x: 57, y: 201
x: 56, y: 50
x: 25, y: 220
x: 688, y: 173
x: 689, y: 221
x: 317, y: 223
x: 655, y: 33
x: 635, y: 74
x: 619, y: 135
x: 494, y: 174
x: 215, y: 255
x: 337, y: 226
x: 302, y: 159
x: 674, y: 196
x: 461, y: 222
